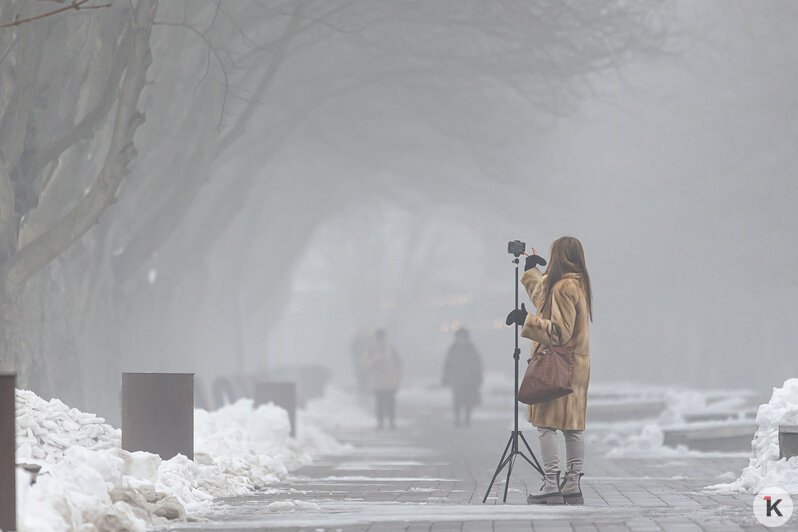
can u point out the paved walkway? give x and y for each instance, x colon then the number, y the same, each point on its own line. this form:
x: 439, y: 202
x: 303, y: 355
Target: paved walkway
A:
x: 427, y: 476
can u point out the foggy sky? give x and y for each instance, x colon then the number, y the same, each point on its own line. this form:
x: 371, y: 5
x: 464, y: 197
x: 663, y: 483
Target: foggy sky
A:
x: 679, y: 179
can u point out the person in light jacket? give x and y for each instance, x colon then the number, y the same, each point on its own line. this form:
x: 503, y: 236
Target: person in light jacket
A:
x: 383, y: 367
x: 462, y: 372
x: 564, y: 302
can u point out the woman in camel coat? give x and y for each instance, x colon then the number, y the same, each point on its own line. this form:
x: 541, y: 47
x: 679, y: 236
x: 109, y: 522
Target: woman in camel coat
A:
x: 563, y: 298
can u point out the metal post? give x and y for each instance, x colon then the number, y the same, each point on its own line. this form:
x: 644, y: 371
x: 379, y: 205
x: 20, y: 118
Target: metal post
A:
x: 516, y: 357
x: 8, y: 490
x: 158, y: 413
x: 282, y: 394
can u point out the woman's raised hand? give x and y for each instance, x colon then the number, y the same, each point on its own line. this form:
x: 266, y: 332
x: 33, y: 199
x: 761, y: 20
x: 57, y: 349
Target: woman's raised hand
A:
x: 533, y: 260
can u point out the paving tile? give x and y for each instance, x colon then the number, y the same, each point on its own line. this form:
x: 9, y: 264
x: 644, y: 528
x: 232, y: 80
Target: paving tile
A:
x: 583, y: 526
x: 512, y: 526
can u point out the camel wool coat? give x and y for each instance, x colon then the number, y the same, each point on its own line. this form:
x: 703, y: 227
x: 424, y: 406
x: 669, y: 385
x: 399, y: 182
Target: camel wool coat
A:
x: 565, y: 321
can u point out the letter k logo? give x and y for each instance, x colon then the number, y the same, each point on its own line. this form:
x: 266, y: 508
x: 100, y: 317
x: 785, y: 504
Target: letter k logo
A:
x: 772, y: 506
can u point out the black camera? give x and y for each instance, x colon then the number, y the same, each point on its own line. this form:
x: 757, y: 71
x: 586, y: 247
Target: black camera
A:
x: 516, y: 247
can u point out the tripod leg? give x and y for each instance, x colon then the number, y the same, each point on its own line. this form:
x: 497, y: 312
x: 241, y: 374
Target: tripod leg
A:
x: 502, y: 463
x: 536, y: 465
x: 509, y: 472
x: 525, y: 457
x: 505, y: 461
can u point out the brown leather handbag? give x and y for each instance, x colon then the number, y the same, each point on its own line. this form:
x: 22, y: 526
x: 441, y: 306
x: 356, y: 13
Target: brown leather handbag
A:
x: 548, y: 375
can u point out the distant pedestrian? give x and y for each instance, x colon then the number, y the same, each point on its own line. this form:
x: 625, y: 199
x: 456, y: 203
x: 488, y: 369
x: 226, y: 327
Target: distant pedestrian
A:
x: 383, y: 367
x: 564, y: 302
x: 462, y: 372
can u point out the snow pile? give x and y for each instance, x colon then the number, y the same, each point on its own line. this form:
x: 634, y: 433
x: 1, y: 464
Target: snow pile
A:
x: 45, y: 429
x: 645, y: 442
x: 88, y: 483
x: 248, y: 448
x: 88, y: 490
x: 765, y: 469
x: 292, y: 506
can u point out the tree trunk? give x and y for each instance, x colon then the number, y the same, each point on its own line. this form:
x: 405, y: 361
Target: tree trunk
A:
x: 11, y: 345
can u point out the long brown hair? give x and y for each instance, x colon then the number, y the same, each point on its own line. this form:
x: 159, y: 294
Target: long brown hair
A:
x: 567, y: 256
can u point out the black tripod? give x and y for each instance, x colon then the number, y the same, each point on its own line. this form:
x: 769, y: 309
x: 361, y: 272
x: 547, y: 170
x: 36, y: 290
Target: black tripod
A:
x: 511, y: 449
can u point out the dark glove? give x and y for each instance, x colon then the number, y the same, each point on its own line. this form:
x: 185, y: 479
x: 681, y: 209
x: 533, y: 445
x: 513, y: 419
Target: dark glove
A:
x: 517, y: 316
x: 534, y: 260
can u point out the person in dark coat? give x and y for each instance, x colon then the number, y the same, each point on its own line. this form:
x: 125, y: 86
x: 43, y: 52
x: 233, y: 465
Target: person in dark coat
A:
x: 462, y: 372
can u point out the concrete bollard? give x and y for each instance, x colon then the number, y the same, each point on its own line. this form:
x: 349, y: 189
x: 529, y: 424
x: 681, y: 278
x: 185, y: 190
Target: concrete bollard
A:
x: 282, y: 394
x: 8, y: 449
x: 788, y: 441
x: 158, y: 413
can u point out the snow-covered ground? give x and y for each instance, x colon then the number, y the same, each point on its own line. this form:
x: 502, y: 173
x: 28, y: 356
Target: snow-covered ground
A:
x: 765, y: 468
x: 648, y: 412
x: 87, y: 482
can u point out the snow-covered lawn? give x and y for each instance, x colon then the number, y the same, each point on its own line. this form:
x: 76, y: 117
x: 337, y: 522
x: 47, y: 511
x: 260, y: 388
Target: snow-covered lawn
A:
x: 87, y: 482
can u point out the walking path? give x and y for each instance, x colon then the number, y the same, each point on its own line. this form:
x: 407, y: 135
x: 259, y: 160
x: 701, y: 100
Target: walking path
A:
x: 427, y: 476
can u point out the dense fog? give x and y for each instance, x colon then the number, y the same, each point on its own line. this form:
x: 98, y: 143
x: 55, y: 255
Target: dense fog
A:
x: 307, y: 172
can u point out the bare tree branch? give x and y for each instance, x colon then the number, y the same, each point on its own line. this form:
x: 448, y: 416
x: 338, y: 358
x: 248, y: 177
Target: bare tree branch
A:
x: 77, y: 5
x: 89, y: 124
x: 160, y: 226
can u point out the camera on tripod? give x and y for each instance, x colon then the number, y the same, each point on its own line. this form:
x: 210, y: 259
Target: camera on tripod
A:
x: 516, y: 247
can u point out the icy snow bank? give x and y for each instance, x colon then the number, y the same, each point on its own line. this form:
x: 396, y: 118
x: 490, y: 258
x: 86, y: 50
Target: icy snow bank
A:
x: 109, y: 489
x: 87, y: 482
x: 45, y: 429
x: 765, y: 469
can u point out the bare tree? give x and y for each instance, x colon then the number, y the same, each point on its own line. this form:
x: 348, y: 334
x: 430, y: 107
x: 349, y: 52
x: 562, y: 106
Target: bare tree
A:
x: 22, y: 154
